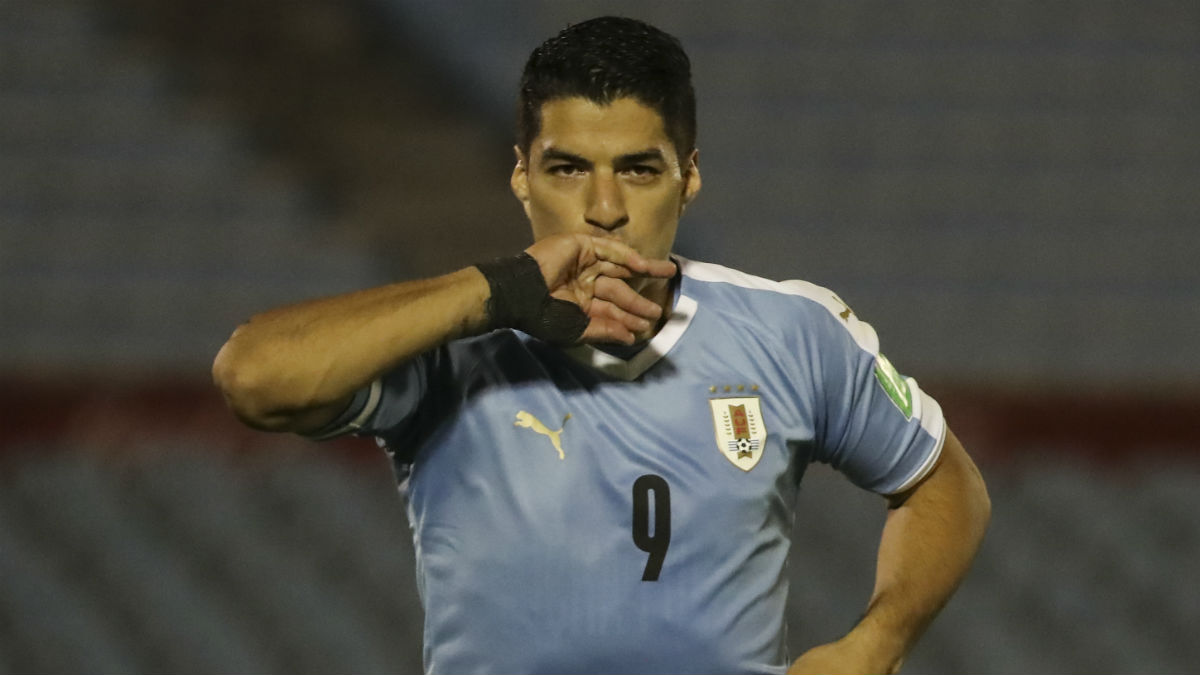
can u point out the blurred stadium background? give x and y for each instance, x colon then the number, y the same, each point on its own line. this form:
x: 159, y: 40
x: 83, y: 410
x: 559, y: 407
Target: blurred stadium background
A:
x: 1008, y: 191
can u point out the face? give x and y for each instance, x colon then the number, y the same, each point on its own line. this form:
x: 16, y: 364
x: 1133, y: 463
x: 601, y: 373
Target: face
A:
x: 608, y: 171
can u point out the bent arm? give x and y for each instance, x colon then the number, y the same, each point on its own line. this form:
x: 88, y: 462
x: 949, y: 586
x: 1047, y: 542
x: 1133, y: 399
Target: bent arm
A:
x: 931, y: 535
x: 296, y: 367
x: 929, y: 540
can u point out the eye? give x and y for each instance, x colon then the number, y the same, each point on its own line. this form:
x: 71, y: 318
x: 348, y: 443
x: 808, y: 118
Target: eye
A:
x: 565, y: 170
x: 641, y: 172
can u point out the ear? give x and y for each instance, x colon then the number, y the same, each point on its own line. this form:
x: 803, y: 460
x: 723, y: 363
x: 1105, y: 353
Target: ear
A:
x: 691, y: 179
x: 520, y: 179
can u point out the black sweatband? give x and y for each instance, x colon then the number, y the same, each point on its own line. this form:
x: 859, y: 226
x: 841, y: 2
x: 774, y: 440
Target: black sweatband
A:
x: 521, y: 300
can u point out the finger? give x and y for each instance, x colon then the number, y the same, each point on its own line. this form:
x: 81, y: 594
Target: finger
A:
x: 607, y: 310
x: 604, y: 268
x: 659, y: 269
x: 619, y: 293
x: 602, y: 330
x: 622, y: 254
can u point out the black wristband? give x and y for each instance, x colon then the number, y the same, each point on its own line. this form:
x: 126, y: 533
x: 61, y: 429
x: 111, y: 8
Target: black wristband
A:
x: 518, y: 289
x: 521, y: 300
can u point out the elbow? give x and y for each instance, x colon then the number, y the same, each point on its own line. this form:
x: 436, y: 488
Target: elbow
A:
x: 240, y: 378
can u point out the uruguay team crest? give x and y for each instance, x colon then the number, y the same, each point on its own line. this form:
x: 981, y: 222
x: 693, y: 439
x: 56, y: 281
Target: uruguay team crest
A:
x: 739, y: 427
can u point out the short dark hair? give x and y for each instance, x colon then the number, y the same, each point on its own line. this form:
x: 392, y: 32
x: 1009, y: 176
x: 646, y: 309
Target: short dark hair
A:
x: 605, y: 59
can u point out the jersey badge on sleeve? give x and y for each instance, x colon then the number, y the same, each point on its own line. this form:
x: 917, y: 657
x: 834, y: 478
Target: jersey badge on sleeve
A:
x: 894, y: 385
x: 740, y: 432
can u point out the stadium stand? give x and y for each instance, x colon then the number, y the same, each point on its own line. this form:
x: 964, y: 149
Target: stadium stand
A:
x: 370, y: 126
x: 136, y: 225
x: 1021, y: 176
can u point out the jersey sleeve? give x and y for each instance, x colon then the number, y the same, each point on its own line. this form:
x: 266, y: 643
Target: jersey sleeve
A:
x: 875, y: 425
x: 382, y: 408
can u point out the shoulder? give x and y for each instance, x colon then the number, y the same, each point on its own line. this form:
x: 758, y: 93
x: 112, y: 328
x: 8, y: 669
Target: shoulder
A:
x: 719, y: 279
x: 789, y: 305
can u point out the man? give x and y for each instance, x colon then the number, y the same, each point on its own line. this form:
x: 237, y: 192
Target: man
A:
x: 600, y: 443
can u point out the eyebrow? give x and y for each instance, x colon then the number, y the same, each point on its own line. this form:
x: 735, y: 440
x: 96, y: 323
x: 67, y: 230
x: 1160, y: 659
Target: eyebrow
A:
x: 554, y: 154
x: 653, y: 154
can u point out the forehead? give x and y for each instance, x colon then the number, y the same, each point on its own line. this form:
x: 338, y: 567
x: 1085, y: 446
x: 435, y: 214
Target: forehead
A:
x: 589, y: 129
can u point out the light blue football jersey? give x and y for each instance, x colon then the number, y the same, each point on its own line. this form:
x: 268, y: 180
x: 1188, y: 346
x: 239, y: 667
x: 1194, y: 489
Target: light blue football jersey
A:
x: 574, y: 512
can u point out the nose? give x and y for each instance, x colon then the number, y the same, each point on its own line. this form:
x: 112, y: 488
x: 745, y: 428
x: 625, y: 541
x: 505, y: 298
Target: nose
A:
x: 606, y: 203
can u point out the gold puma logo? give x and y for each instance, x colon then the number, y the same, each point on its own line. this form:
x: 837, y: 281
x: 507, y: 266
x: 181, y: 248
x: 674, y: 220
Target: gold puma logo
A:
x: 528, y: 421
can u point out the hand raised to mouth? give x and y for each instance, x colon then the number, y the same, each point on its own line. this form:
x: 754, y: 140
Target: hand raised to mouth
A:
x: 592, y: 273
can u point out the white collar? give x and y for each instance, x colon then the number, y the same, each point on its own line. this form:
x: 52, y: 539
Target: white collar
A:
x: 652, y: 353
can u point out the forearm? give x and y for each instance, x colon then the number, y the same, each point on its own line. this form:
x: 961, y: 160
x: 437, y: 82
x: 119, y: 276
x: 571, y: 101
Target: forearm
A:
x: 927, y: 546
x: 292, y: 368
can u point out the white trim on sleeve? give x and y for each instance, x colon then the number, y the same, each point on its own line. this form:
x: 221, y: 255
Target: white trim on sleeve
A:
x: 935, y: 425
x: 373, y: 397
